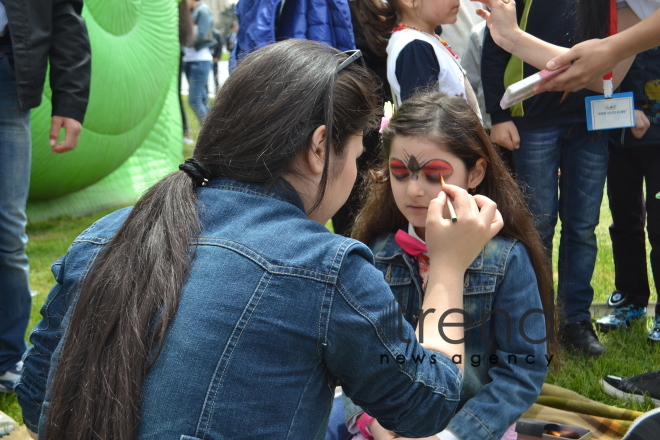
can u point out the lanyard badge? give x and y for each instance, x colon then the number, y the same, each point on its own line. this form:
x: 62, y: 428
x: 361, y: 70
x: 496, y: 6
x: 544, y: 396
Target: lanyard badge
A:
x: 610, y: 110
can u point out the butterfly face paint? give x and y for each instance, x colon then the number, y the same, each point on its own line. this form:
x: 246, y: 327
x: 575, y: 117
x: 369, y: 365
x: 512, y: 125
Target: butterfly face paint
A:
x: 410, y: 166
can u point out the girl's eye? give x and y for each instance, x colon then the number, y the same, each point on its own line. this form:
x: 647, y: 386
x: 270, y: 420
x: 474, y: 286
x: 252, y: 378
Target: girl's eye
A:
x: 398, y: 169
x: 434, y: 169
x: 439, y: 168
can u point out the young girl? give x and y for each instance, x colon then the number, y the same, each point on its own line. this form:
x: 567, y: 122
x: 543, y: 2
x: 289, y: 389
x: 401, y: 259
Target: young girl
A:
x: 433, y: 135
x: 416, y: 56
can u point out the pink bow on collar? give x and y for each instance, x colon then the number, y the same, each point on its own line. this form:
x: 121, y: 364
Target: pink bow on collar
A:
x: 409, y: 244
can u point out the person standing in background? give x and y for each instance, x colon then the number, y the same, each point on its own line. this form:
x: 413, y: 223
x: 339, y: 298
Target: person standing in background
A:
x: 33, y: 35
x: 198, y: 59
x: 230, y: 38
x: 217, y: 54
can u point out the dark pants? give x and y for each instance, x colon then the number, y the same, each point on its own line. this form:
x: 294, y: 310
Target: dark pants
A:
x: 627, y: 171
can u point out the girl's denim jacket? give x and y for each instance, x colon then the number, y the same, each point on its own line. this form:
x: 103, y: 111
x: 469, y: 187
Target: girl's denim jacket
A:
x: 275, y: 312
x: 505, y: 365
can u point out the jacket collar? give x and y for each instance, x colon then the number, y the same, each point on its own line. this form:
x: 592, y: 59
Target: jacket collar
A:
x: 280, y: 190
x: 385, y: 248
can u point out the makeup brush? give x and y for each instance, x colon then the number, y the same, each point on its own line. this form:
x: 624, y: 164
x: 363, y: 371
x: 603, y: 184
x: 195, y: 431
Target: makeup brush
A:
x: 449, y: 205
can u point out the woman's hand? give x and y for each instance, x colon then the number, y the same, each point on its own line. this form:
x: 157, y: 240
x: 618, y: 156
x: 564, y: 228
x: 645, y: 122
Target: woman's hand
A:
x: 642, y: 124
x: 591, y: 59
x: 454, y: 245
x: 502, y: 21
x: 380, y: 433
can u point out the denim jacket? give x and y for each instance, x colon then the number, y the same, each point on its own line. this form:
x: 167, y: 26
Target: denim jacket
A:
x: 503, y: 372
x: 275, y: 312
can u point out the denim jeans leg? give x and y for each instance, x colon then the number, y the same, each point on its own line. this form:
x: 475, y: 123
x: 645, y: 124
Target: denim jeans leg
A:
x: 197, y: 73
x: 583, y: 172
x: 536, y: 163
x: 14, y: 184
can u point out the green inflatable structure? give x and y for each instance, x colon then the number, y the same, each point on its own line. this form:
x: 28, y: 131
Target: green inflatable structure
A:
x: 132, y: 132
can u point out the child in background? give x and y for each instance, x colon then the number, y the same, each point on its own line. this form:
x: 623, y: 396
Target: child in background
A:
x: 635, y: 160
x: 507, y: 289
x: 416, y: 56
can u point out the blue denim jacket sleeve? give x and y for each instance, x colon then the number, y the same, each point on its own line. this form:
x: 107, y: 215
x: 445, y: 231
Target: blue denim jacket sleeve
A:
x: 514, y: 386
x: 411, y: 390
x: 45, y: 338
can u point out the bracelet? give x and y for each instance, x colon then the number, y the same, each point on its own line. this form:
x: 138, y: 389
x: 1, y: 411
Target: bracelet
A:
x: 362, y: 422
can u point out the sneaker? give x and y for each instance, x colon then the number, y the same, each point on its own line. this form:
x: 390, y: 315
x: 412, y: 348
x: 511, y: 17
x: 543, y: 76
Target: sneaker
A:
x: 654, y: 334
x: 621, y: 317
x: 645, y: 427
x: 9, y: 378
x: 617, y: 298
x: 580, y: 336
x: 634, y: 387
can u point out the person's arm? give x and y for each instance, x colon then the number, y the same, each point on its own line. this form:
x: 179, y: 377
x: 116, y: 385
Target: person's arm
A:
x: 70, y: 72
x: 45, y: 338
x: 514, y: 385
x: 416, y: 68
x: 594, y: 58
x: 494, y: 61
x: 538, y: 53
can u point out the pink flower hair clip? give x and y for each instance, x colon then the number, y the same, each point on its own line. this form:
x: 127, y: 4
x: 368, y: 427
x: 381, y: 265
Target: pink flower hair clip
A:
x: 388, y: 110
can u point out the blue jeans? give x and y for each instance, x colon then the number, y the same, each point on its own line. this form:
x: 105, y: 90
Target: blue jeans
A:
x: 581, y: 156
x: 14, y: 185
x: 197, y: 73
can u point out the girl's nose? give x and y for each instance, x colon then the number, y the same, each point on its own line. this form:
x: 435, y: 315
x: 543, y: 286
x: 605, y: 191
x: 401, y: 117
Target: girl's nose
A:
x: 414, y: 187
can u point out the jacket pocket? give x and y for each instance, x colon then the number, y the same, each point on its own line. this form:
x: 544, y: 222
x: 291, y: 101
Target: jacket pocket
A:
x: 478, y: 290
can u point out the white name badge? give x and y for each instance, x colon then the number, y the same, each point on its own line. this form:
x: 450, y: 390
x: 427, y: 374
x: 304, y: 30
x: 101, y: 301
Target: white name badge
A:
x: 615, y: 112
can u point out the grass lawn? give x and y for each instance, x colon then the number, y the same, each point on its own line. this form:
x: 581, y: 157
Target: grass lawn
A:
x: 628, y: 351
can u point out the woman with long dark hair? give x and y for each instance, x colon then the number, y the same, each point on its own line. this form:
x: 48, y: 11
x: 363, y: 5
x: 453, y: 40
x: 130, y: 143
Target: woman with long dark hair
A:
x: 219, y: 307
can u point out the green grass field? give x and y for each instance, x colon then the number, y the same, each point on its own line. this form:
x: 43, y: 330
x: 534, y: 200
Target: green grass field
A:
x: 628, y: 353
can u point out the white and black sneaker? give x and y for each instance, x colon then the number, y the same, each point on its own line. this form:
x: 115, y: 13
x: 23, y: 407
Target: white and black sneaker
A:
x: 634, y: 387
x: 9, y: 378
x: 617, y: 298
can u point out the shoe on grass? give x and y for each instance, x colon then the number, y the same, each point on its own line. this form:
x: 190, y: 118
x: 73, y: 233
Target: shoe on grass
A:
x: 634, y: 387
x: 580, y: 336
x: 9, y: 378
x: 620, y: 317
x: 617, y: 298
x: 645, y: 427
x: 654, y: 334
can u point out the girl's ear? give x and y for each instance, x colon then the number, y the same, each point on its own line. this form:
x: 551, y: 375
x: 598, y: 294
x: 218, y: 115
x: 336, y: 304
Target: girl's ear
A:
x: 316, y: 154
x: 476, y: 174
x: 410, y: 4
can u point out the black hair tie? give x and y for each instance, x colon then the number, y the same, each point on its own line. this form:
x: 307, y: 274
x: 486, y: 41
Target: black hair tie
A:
x: 197, y: 172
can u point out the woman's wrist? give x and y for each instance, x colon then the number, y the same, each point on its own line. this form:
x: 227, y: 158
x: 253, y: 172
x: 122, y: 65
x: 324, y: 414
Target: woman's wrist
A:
x: 515, y: 41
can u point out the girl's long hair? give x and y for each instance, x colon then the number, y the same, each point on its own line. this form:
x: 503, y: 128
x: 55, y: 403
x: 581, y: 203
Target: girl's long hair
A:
x: 592, y: 19
x: 449, y: 122
x: 263, y: 118
x: 377, y: 18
